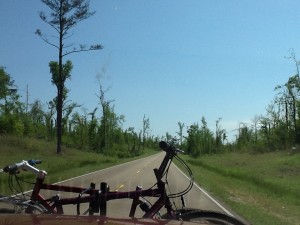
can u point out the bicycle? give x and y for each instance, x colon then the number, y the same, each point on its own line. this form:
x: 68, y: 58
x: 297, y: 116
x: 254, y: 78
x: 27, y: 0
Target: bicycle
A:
x: 98, y: 198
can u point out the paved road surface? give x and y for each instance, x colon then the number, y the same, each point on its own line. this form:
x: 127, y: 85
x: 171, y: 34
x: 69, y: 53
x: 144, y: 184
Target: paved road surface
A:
x: 127, y: 176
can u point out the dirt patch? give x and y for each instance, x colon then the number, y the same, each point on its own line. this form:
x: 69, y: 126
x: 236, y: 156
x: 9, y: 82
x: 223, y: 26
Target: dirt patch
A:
x: 288, y: 170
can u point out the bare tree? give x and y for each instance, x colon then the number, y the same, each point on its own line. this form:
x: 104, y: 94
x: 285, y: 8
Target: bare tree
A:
x: 106, y: 108
x: 145, y: 132
x: 256, y: 120
x: 180, y: 132
x: 65, y: 15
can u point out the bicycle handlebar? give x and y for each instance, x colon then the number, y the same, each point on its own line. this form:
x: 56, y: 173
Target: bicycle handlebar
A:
x: 169, y: 148
x: 171, y: 151
x: 25, y: 165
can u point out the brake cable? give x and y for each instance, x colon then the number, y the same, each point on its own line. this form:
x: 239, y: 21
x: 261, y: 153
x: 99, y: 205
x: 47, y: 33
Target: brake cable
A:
x: 191, y: 179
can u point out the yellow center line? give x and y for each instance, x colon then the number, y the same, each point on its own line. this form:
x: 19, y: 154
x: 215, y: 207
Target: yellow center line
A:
x: 122, y: 185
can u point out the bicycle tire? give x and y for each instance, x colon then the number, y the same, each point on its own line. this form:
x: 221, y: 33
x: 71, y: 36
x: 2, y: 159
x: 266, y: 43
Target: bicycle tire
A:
x: 7, y: 211
x: 12, y: 205
x: 35, y: 208
x: 208, y: 217
x: 7, y: 206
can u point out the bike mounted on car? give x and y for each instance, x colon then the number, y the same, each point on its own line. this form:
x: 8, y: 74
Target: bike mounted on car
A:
x: 98, y: 198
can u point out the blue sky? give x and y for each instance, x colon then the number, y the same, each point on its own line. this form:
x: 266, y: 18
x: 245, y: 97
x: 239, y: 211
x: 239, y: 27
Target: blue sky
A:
x: 173, y: 61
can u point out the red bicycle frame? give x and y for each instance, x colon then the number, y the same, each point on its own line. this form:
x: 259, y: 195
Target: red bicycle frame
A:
x: 98, y: 198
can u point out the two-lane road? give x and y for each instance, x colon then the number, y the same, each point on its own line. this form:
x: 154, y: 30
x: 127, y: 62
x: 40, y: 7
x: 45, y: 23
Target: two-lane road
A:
x: 127, y: 176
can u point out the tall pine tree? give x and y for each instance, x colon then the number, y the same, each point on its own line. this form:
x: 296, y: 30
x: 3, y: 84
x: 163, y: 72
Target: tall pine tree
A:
x: 65, y: 15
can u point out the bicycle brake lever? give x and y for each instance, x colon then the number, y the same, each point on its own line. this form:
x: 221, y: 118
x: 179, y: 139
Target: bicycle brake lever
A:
x: 13, y: 169
x: 179, y: 150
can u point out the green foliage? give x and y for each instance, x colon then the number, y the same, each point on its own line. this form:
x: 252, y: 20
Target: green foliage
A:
x: 103, y: 132
x: 9, y: 98
x: 66, y: 72
x: 9, y: 124
x: 11, y: 109
x: 5, y: 83
x: 200, y: 140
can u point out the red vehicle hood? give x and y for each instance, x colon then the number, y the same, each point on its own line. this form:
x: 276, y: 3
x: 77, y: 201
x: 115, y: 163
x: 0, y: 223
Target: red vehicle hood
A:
x: 16, y: 219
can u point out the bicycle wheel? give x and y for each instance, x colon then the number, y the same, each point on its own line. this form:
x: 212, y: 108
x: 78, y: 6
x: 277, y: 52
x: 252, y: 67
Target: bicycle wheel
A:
x: 208, y: 217
x: 7, y: 211
x: 7, y: 205
x: 34, y: 207
x: 12, y: 205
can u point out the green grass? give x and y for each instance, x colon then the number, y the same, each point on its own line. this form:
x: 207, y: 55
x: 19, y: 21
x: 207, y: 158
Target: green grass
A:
x: 262, y: 188
x: 69, y: 163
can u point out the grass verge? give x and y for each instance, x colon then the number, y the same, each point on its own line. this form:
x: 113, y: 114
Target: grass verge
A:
x: 262, y: 188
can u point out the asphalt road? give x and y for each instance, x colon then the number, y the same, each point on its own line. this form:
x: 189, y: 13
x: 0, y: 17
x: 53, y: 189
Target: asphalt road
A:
x: 126, y: 177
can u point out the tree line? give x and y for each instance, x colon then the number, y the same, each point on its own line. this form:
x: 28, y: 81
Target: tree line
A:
x: 101, y: 130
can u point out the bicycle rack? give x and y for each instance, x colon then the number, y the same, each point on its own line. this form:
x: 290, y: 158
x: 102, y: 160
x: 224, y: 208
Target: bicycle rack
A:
x: 104, y: 189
